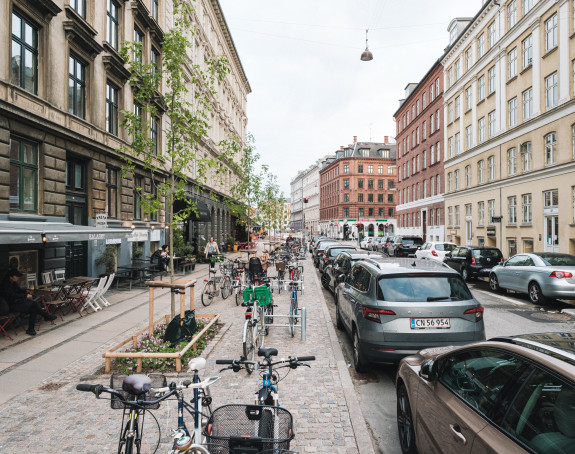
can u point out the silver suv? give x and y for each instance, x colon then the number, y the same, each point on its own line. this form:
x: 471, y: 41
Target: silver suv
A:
x: 395, y: 307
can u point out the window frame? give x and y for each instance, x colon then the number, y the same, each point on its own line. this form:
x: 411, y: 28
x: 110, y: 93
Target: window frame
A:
x: 21, y: 167
x: 24, y: 47
x: 79, y: 82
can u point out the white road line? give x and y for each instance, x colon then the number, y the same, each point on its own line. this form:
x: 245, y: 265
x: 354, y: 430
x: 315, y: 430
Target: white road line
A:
x: 502, y: 297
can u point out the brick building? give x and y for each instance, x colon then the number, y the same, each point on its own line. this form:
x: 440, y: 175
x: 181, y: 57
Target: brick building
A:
x: 358, y: 190
x: 419, y: 119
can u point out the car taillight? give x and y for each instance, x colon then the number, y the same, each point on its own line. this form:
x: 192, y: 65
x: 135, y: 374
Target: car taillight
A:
x: 473, y: 261
x: 327, y: 259
x: 373, y: 314
x: 434, y: 253
x: 478, y: 311
x: 561, y: 274
x: 501, y: 259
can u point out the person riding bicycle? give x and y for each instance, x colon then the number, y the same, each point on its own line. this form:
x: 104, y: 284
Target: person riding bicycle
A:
x: 211, y: 250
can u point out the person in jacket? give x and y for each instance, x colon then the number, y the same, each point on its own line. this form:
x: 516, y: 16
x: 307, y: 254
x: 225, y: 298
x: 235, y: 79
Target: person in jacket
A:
x: 264, y: 259
x: 211, y: 250
x: 22, y: 301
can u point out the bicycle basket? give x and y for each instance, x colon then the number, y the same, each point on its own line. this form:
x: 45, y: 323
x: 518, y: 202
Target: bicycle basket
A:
x: 116, y: 381
x: 243, y: 427
x: 280, y: 266
x: 248, y: 294
x: 263, y: 295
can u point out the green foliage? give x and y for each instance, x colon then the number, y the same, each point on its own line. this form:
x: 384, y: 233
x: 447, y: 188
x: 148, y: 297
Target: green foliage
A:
x: 181, y: 247
x: 156, y: 344
x: 137, y: 250
x: 108, y: 258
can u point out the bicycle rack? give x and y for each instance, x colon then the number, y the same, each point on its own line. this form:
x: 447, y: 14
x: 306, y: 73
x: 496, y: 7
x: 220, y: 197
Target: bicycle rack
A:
x: 303, y: 322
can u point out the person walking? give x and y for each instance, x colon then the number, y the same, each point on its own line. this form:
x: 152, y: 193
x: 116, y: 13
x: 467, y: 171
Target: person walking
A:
x: 211, y: 250
x: 22, y: 301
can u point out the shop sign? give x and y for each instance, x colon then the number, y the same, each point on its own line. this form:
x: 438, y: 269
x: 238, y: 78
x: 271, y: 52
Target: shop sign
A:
x: 101, y: 220
x: 453, y: 232
x: 139, y: 235
x: 96, y: 236
x: 31, y: 239
x: 490, y: 231
x: 113, y: 240
x: 155, y: 235
x: 496, y: 218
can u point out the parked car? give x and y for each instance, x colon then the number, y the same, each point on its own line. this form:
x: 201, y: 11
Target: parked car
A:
x: 383, y: 246
x: 331, y: 252
x: 337, y: 270
x: 542, y: 276
x: 320, y: 247
x: 473, y: 261
x: 314, y: 240
x: 373, y: 246
x: 505, y: 395
x: 364, y: 243
x: 434, y: 250
x: 392, y: 308
x: 404, y: 246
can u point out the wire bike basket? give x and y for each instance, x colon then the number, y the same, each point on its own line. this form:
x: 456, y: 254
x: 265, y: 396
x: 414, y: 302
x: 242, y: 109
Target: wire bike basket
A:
x: 241, y: 427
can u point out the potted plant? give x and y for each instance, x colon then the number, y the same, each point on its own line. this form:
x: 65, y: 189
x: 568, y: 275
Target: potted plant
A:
x: 190, y: 260
x: 108, y: 259
x: 230, y: 242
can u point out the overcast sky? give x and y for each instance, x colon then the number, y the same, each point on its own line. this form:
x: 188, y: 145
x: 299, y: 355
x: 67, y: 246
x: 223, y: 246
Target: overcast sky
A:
x: 310, y: 91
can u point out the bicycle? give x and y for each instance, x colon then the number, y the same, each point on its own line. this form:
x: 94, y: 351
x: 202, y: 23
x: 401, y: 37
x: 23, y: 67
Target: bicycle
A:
x: 210, y: 290
x: 293, y: 307
x: 132, y: 399
x: 238, y: 278
x: 271, y: 424
x: 255, y: 328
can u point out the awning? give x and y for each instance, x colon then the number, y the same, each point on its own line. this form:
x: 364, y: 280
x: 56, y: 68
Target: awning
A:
x: 22, y: 232
x: 201, y: 214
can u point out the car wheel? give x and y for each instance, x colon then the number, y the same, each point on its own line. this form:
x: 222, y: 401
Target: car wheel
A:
x: 535, y: 294
x: 358, y: 361
x: 338, y: 321
x: 325, y: 281
x: 405, y: 422
x: 465, y: 273
x: 494, y: 283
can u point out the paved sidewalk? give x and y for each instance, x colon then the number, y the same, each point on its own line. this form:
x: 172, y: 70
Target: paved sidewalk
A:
x: 42, y: 411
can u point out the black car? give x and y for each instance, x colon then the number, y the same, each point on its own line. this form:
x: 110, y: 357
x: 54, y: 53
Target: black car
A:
x: 331, y: 252
x: 314, y: 240
x: 319, y: 248
x: 404, y: 246
x: 473, y: 261
x: 341, y: 266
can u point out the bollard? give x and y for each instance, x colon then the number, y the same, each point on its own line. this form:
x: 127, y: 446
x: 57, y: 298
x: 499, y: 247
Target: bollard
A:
x: 303, y: 323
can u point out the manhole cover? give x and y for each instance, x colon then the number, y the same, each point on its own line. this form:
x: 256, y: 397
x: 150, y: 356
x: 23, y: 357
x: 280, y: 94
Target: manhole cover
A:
x: 551, y: 317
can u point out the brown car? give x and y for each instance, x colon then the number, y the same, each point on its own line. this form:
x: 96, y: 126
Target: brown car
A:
x: 504, y: 395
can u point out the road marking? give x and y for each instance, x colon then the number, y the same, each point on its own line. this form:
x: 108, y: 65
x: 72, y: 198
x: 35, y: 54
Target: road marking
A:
x: 505, y: 298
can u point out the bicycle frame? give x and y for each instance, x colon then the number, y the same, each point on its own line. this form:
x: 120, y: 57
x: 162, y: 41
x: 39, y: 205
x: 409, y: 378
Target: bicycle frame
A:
x: 131, y: 430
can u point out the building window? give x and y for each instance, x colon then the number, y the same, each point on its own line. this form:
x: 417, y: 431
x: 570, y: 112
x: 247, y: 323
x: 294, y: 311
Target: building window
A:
x: 23, y: 176
x: 437, y: 119
x: 346, y: 197
x: 450, y: 112
x: 139, y: 43
x: 468, y: 99
x: 437, y: 87
x: 450, y: 77
x: 481, y: 213
x: 513, y: 112
x: 481, y: 45
x: 481, y: 130
x: 370, y: 198
x: 75, y: 174
x: 511, y: 14
x: 155, y: 60
x: 155, y: 9
x: 511, y: 161
x: 346, y: 212
x: 450, y: 146
x: 550, y: 143
x: 491, y: 168
x: 438, y: 147
x: 370, y: 169
x: 154, y: 122
x: 369, y: 184
x: 79, y: 6
x: 379, y: 184
x: 457, y: 107
x: 458, y: 143
x: 360, y: 212
x: 438, y: 216
x: 113, y: 24
x: 360, y: 168
x: 551, y: 90
x: 112, y: 109
x: 346, y: 168
x: 573, y: 140
x: 526, y: 209
x: 457, y: 187
x: 360, y: 184
x: 468, y: 137
x: 389, y: 198
x: 431, y: 93
x: 527, y: 46
x: 481, y: 88
x: 380, y: 170
x: 138, y: 197
x: 512, y: 209
x: 527, y: 5
x: 450, y: 216
x: 527, y: 103
x: 111, y: 192
x: 551, y: 199
x: 438, y: 179
x: 370, y: 212
x: 490, y: 210
x: 491, y: 80
x: 525, y: 157
x: 390, y: 184
x: 468, y: 61
x: 491, y: 124
x: 432, y: 186
x: 491, y: 35
x: 24, y: 62
x: 77, y: 88
x: 467, y: 176
x: 380, y: 198
x: 153, y: 215
x: 551, y: 33
x: 449, y: 182
x: 458, y: 69
x: 481, y: 172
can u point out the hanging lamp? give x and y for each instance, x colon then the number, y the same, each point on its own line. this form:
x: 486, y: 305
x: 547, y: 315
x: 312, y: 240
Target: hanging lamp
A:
x: 366, y: 54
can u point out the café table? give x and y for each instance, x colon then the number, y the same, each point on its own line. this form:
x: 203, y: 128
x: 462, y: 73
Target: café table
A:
x: 74, y: 290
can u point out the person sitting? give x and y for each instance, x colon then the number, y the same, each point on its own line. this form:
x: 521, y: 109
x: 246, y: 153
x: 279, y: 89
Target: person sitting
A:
x: 22, y: 301
x: 161, y: 258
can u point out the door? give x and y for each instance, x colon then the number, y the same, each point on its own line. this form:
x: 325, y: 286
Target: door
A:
x: 551, y: 233
x: 468, y: 232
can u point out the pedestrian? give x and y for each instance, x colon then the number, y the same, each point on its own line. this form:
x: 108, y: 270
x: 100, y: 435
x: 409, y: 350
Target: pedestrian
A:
x: 211, y: 250
x: 22, y: 301
x: 264, y: 259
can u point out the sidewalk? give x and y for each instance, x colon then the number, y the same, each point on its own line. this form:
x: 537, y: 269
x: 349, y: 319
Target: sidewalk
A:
x: 42, y: 411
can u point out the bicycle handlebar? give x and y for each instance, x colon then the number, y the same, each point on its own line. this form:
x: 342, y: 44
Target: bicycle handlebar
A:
x: 291, y: 361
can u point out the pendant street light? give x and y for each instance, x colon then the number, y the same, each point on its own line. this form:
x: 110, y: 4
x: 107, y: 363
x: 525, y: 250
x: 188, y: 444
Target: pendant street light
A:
x: 366, y: 55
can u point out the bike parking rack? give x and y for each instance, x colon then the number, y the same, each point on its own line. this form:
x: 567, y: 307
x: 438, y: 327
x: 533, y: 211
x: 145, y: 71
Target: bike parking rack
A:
x: 303, y: 322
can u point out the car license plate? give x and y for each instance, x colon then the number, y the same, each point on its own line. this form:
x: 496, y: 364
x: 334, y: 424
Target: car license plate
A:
x: 430, y: 323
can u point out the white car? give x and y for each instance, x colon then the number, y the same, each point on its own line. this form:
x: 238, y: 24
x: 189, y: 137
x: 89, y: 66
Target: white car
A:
x: 364, y: 244
x: 434, y: 250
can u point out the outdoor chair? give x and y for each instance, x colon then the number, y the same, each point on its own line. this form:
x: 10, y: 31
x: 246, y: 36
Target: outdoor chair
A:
x: 46, y: 280
x: 59, y: 276
x: 101, y: 298
x: 31, y: 281
x: 78, y: 299
x: 93, y: 295
x: 6, y: 321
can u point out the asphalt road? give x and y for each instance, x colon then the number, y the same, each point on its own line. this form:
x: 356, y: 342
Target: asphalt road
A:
x: 505, y: 314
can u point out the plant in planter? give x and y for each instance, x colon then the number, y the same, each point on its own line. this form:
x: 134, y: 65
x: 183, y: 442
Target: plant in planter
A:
x: 108, y: 259
x: 137, y: 251
x: 190, y: 260
x: 230, y: 242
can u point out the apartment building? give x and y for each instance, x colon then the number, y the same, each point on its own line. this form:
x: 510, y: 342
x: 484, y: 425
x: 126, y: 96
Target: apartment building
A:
x: 358, y: 190
x: 63, y: 86
x: 510, y: 134
x: 420, y: 188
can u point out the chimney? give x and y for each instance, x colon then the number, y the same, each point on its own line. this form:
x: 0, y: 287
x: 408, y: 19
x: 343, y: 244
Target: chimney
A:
x: 354, y: 139
x: 386, y: 139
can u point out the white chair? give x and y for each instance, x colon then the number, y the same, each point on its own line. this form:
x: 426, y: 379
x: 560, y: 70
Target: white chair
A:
x: 101, y: 297
x: 99, y: 290
x: 46, y: 279
x: 91, y: 296
x: 31, y: 281
x: 59, y: 276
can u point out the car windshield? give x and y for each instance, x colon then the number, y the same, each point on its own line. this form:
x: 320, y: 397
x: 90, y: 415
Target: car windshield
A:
x: 490, y: 253
x: 335, y: 251
x: 422, y: 288
x: 444, y: 247
x: 558, y: 260
x: 411, y: 241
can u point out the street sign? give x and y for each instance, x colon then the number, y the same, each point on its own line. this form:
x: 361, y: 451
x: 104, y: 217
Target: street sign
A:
x: 490, y: 231
x: 496, y: 218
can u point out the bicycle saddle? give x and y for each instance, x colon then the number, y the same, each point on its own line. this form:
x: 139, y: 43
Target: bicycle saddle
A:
x: 213, y: 270
x: 137, y: 384
x: 197, y: 364
x: 267, y: 352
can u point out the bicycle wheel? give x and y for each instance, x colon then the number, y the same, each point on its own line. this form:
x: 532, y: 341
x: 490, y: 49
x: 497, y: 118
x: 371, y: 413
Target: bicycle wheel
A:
x: 208, y: 292
x: 249, y: 344
x: 266, y: 429
x: 239, y: 293
x: 226, y: 287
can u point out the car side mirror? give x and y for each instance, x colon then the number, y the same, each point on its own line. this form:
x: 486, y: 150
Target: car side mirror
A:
x: 448, y: 254
x: 428, y: 370
x: 340, y: 278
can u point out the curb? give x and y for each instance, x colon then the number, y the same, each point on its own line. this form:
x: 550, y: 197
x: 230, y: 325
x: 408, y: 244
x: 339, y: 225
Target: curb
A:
x: 362, y: 435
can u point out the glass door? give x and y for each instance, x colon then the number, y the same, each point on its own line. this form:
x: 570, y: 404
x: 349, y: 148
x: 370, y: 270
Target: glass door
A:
x: 551, y: 234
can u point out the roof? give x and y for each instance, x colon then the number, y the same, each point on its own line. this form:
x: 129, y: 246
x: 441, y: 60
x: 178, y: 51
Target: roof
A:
x: 558, y: 345
x: 410, y: 265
